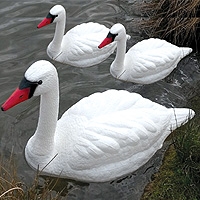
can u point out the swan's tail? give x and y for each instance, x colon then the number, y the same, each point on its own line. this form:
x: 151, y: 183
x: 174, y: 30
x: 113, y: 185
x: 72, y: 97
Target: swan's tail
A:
x: 185, y: 51
x: 128, y: 37
x: 181, y: 116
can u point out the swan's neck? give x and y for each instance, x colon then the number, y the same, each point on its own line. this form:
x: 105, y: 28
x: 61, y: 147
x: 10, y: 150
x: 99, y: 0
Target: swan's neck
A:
x: 43, y: 139
x: 117, y: 67
x: 55, y: 44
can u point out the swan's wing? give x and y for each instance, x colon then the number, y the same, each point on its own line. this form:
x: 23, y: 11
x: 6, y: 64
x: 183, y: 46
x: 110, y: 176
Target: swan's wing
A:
x: 152, y: 55
x: 117, y: 137
x: 83, y: 40
x: 118, y: 133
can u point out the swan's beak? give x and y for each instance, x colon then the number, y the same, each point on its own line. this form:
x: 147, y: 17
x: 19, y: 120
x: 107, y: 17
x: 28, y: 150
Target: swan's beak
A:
x: 105, y: 42
x: 22, y: 93
x: 48, y: 20
x: 18, y: 96
x: 44, y: 22
x: 109, y: 39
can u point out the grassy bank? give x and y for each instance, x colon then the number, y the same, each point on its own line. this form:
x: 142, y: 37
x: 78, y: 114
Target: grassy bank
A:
x: 179, y: 176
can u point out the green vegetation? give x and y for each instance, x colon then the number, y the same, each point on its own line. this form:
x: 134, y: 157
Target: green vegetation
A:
x: 179, y: 176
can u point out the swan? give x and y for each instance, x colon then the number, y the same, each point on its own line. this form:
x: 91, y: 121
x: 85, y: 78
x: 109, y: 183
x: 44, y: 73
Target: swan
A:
x: 147, y: 61
x: 78, y: 47
x: 102, y: 137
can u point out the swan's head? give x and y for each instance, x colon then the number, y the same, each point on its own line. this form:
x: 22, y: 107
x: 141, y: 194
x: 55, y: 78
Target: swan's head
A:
x: 39, y: 78
x: 57, y: 13
x: 116, y: 33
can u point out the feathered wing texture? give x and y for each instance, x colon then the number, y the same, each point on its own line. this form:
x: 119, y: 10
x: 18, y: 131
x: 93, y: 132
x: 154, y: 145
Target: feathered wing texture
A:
x: 112, y: 139
x: 152, y: 60
x: 82, y: 41
x: 118, y: 132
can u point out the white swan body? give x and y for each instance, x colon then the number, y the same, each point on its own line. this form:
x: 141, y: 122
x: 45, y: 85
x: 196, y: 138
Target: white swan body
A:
x: 100, y: 138
x: 147, y: 61
x: 79, y: 46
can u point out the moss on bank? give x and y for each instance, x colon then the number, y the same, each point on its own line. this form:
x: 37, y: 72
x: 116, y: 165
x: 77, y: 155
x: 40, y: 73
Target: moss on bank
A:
x: 179, y: 176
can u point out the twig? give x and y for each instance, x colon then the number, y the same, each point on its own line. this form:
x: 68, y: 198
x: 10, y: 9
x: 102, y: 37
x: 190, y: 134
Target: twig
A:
x: 10, y: 190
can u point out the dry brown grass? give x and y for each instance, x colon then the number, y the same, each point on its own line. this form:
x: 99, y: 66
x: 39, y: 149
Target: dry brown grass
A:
x: 11, y: 188
x: 177, y: 21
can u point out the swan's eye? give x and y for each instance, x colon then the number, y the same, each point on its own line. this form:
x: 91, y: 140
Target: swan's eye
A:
x: 52, y: 17
x: 112, y: 35
x: 39, y: 82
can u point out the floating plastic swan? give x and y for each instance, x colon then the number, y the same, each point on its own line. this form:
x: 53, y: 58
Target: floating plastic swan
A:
x: 79, y: 46
x: 146, y: 62
x: 102, y: 137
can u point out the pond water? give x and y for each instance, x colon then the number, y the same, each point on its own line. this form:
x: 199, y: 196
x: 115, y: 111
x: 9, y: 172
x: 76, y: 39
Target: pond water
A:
x: 21, y: 44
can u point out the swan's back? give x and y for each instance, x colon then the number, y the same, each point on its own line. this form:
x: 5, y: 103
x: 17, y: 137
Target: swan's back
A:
x: 156, y: 44
x: 108, y: 102
x: 152, y: 59
x: 81, y: 44
x: 118, y: 101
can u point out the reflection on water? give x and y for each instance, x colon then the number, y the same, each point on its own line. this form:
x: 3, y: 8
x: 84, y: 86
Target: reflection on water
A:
x: 22, y: 44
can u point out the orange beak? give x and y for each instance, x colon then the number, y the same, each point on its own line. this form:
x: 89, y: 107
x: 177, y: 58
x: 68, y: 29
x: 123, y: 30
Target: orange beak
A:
x: 105, y: 42
x: 18, y: 96
x: 44, y: 22
x: 22, y: 93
